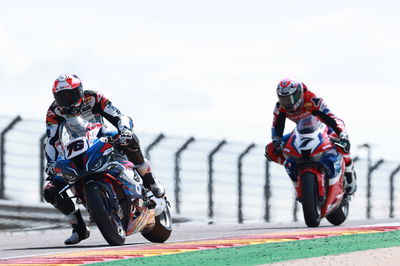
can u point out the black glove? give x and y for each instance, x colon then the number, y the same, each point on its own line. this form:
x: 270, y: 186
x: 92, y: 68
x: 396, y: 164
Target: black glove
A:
x: 277, y: 144
x: 50, y: 168
x: 125, y: 137
x: 344, y: 142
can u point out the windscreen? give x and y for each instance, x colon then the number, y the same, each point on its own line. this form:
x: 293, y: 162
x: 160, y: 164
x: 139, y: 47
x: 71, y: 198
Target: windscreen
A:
x: 73, y: 128
x: 73, y: 136
x: 308, y: 125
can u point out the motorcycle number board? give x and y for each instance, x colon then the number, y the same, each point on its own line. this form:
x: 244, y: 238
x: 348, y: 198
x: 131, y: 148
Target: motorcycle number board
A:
x: 76, y: 147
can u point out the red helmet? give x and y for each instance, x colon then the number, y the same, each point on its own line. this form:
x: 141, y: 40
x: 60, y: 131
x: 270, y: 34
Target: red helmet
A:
x: 290, y: 93
x: 68, y: 93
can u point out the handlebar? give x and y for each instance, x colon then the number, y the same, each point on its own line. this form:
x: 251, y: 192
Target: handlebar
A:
x: 113, y: 140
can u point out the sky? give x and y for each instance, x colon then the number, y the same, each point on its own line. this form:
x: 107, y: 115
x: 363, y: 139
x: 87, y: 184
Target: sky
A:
x: 209, y: 68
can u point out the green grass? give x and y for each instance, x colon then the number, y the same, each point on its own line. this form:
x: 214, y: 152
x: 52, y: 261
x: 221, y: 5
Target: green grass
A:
x: 272, y: 252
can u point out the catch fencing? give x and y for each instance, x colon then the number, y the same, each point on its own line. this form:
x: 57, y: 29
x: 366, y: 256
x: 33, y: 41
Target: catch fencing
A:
x: 207, y: 180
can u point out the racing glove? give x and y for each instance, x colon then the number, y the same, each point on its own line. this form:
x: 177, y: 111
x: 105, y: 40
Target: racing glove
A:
x: 344, y: 142
x: 277, y: 144
x: 125, y: 137
x: 50, y: 168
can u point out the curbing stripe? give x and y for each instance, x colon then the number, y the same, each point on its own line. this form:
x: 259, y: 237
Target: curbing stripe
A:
x: 128, y: 252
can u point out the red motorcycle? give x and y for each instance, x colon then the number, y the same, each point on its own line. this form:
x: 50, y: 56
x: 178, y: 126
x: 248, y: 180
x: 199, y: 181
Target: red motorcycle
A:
x: 317, y: 172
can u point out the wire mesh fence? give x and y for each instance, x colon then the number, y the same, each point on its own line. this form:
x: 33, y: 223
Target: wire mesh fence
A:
x: 239, y: 187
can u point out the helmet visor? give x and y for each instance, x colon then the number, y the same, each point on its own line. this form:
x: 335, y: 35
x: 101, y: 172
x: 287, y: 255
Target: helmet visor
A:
x: 67, y: 98
x: 289, y: 101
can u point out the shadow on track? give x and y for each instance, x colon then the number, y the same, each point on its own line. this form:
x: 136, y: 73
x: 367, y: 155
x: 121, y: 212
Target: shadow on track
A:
x: 304, y: 227
x: 75, y: 247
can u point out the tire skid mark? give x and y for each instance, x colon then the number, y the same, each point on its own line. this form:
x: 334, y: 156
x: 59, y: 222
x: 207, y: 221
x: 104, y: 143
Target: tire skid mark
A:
x: 128, y: 252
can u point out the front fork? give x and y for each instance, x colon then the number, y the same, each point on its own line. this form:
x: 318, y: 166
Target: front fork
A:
x: 320, y: 181
x: 112, y: 203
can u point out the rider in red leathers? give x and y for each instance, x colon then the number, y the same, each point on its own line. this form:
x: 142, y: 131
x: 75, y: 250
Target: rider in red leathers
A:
x: 71, y: 100
x: 297, y: 102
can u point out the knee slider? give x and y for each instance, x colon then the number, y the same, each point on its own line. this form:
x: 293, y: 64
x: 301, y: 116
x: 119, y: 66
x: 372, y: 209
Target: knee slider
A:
x: 144, y: 168
x: 50, y: 193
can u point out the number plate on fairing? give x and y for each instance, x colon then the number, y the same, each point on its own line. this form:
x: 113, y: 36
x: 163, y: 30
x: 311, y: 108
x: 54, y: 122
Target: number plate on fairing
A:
x: 76, y: 147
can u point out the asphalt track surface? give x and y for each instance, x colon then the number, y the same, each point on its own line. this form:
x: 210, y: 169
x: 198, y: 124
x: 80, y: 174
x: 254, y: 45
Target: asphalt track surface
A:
x: 39, y: 242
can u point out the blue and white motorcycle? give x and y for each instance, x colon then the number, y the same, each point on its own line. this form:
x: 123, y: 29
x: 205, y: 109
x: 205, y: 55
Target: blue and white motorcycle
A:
x: 107, y: 184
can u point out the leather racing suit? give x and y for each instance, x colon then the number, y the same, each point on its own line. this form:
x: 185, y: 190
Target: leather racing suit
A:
x: 312, y: 105
x: 95, y: 107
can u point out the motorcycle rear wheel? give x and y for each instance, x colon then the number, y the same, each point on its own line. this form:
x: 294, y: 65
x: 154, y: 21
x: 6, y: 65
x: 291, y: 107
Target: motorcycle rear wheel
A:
x: 162, y: 229
x: 111, y: 229
x: 340, y: 214
x: 311, y: 206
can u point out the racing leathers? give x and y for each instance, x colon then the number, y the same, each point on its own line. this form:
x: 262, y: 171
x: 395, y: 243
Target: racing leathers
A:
x: 95, y: 107
x: 312, y: 105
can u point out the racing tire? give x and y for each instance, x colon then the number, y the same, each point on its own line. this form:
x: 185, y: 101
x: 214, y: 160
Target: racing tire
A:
x: 162, y: 229
x: 340, y: 214
x: 110, y: 228
x: 310, y: 202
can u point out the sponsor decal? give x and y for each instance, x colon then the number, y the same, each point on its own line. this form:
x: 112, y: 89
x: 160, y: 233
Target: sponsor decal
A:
x: 297, y: 117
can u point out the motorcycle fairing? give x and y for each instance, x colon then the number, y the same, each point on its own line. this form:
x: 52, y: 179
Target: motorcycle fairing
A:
x: 290, y: 148
x: 144, y: 221
x: 312, y: 151
x: 132, y: 184
x: 329, y: 159
x: 333, y: 201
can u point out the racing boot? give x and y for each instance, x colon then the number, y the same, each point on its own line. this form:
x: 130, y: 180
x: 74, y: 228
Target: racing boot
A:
x: 149, y: 181
x: 79, y: 229
x: 154, y: 185
x: 351, y: 179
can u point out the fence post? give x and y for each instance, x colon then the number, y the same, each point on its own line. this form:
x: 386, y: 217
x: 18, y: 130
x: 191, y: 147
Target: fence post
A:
x: 41, y: 166
x: 370, y: 170
x: 295, y: 208
x: 177, y: 180
x: 155, y: 142
x: 267, y: 191
x: 391, y: 191
x: 2, y: 153
x: 211, y: 178
x: 239, y: 165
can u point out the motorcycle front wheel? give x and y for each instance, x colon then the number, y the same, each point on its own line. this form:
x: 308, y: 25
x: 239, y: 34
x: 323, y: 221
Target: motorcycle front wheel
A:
x: 100, y: 210
x: 310, y: 202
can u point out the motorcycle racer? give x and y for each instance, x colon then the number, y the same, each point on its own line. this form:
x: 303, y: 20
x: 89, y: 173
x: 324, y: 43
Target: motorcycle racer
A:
x: 295, y: 102
x: 71, y: 100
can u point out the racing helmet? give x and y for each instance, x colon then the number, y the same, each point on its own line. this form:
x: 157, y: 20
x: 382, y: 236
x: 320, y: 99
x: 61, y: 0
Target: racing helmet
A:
x: 290, y: 94
x: 68, y: 93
